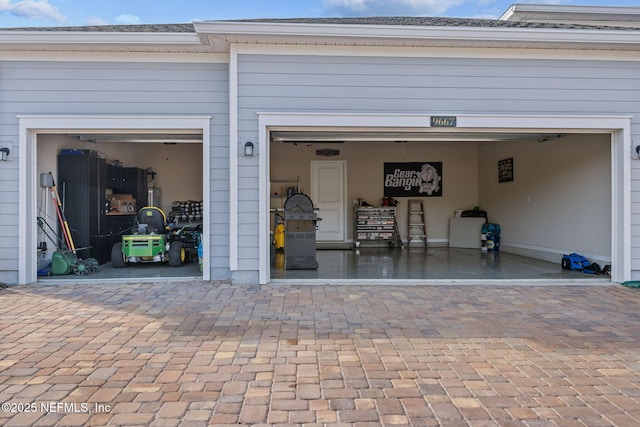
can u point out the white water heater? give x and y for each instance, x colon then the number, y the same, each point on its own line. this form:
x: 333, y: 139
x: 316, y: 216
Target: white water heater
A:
x: 153, y: 197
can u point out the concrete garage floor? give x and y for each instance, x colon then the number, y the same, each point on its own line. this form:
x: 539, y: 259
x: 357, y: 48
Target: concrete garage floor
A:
x: 432, y: 264
x: 383, y: 265
x: 138, y: 271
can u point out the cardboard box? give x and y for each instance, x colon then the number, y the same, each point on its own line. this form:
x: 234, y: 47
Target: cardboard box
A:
x: 122, y: 204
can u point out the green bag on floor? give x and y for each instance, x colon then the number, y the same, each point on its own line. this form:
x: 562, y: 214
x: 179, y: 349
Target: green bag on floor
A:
x: 62, y: 262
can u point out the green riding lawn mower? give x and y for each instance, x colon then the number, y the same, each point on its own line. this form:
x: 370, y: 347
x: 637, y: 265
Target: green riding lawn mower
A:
x: 154, y: 240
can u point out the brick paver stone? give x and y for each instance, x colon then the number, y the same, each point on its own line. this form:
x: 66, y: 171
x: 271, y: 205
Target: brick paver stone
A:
x: 193, y: 353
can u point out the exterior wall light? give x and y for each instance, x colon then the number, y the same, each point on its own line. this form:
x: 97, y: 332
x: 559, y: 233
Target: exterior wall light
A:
x: 248, y: 149
x: 4, y: 154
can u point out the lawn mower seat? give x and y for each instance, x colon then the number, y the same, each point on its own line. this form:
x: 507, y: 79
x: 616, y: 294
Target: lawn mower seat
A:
x: 151, y: 220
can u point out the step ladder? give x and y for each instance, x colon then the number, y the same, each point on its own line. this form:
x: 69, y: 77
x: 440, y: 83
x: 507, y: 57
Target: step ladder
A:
x: 417, y: 222
x: 397, y: 238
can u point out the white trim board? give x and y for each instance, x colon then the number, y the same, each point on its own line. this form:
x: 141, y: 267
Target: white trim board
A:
x: 289, y: 32
x: 98, y: 38
x: 548, y: 254
x: 437, y: 52
x: 233, y: 160
x: 31, y: 126
x: 618, y: 126
x: 58, y: 56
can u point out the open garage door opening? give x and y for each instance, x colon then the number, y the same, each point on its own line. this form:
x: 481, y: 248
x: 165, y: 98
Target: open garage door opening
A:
x: 111, y: 188
x: 550, y: 193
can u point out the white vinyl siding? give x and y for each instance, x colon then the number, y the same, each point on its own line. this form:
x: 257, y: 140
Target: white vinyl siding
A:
x: 115, y: 88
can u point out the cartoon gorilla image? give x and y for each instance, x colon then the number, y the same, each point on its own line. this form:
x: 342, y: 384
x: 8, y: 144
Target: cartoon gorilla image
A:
x: 430, y: 179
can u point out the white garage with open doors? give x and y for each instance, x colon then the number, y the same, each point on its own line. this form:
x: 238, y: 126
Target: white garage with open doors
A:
x: 521, y: 121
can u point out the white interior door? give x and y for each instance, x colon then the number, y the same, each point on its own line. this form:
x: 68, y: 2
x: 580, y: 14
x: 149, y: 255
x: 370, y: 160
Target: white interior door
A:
x: 328, y: 189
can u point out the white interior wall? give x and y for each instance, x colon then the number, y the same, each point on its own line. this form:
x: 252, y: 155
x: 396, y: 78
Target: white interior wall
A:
x: 178, y: 167
x: 560, y: 198
x: 565, y: 182
x: 365, y: 176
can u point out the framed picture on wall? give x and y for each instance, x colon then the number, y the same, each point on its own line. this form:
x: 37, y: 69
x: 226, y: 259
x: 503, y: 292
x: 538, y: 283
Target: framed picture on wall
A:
x: 505, y: 170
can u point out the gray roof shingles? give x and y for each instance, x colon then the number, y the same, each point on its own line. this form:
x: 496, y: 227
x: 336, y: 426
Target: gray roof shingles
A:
x: 377, y: 20
x: 140, y: 28
x: 427, y: 22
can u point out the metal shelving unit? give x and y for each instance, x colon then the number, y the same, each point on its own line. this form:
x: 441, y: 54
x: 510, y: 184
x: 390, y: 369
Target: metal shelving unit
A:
x: 376, y: 225
x: 279, y: 189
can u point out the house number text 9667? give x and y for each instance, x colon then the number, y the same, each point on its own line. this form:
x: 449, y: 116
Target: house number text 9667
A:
x: 443, y: 121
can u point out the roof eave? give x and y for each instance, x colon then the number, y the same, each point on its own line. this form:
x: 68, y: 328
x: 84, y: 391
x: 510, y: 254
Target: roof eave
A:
x: 597, y: 13
x: 218, y: 35
x: 96, y: 38
x: 590, y: 38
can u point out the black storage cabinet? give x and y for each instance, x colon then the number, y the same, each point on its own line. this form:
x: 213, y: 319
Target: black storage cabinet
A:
x: 129, y: 180
x: 82, y: 179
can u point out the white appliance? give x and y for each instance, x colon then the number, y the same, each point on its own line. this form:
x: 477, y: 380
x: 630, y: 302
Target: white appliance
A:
x: 153, y: 197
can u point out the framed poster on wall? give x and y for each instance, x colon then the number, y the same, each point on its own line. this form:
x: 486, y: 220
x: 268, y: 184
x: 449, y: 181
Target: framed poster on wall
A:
x: 413, y: 179
x: 505, y: 170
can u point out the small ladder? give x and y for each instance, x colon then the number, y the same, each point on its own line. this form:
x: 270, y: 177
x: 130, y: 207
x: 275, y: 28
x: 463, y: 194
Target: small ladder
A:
x: 397, y: 238
x: 417, y: 222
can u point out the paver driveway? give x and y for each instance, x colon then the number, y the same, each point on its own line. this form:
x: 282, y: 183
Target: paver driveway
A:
x: 188, y: 354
